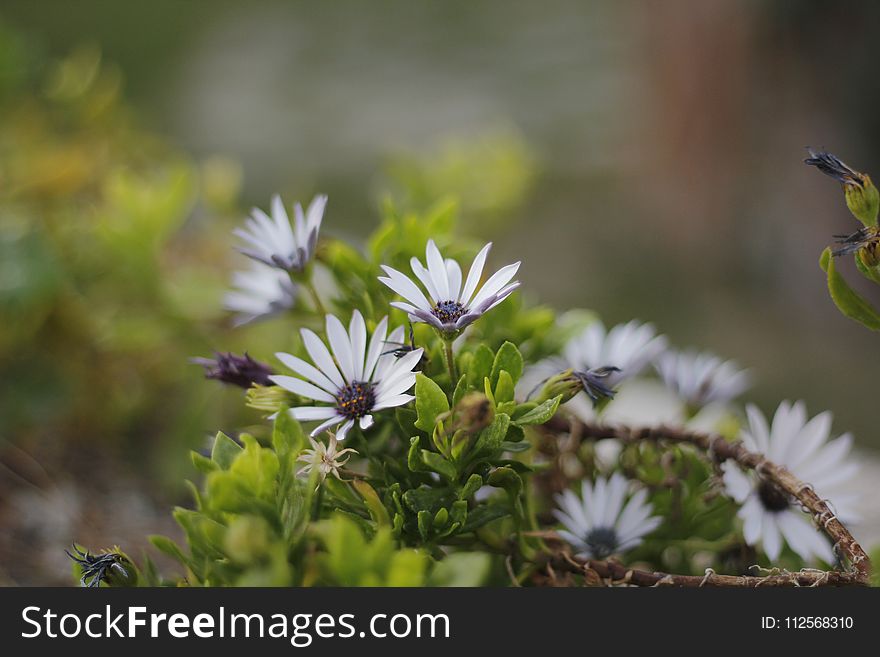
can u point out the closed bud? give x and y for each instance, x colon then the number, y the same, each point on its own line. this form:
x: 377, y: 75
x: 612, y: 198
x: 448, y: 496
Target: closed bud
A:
x: 269, y: 399
x: 473, y: 413
x: 862, y: 197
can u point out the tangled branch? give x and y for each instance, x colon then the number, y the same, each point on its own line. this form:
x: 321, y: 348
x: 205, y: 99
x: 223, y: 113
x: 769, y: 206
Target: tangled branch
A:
x: 857, y: 567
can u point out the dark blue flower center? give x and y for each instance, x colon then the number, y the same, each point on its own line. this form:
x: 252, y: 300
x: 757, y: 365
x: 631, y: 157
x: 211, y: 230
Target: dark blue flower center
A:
x: 448, y: 312
x: 772, y: 498
x: 355, y: 400
x: 602, y: 542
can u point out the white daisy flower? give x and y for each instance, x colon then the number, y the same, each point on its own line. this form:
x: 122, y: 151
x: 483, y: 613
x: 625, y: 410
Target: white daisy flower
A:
x: 769, y: 516
x: 701, y: 379
x: 259, y: 292
x: 623, y: 352
x: 326, y: 459
x: 356, y: 380
x: 274, y: 242
x: 450, y: 306
x: 598, y: 524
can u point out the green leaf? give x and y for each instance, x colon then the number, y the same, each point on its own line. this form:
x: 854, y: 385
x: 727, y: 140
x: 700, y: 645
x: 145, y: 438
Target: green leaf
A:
x: 461, y: 569
x: 288, y: 438
x: 374, y: 505
x: 430, y: 402
x: 225, y: 450
x: 202, y: 463
x: 460, y: 389
x: 421, y: 460
x: 471, y: 486
x: 407, y: 568
x: 480, y: 367
x: 540, y: 414
x: 508, y: 359
x: 485, y: 514
x: 490, y: 439
x: 849, y: 302
x: 424, y: 524
x: 507, y: 479
x: 504, y: 388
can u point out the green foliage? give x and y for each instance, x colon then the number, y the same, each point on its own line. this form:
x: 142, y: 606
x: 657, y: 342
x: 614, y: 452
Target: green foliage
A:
x: 847, y: 300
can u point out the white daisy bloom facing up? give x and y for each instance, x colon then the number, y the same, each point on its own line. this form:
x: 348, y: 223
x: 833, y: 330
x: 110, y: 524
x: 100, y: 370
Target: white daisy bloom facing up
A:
x: 326, y: 459
x: 259, y: 292
x: 275, y: 242
x: 356, y: 380
x: 452, y: 303
x: 599, y: 524
x: 700, y: 379
x: 803, y: 447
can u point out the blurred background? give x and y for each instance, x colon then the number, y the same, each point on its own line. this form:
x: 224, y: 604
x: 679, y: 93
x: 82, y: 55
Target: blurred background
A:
x: 643, y: 159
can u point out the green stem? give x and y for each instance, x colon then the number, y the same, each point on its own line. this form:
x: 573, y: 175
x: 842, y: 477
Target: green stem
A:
x: 450, y: 362
x: 316, y: 299
x: 318, y: 501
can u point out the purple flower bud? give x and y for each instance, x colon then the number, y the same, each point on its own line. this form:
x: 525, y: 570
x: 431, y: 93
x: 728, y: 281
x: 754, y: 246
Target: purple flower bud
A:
x: 242, y: 371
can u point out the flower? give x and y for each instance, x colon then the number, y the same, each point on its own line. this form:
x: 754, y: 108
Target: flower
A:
x: 769, y: 516
x: 274, y: 242
x: 242, y: 371
x: 365, y: 381
x: 324, y: 458
x: 862, y: 197
x: 598, y: 524
x: 620, y: 354
x: 107, y: 567
x: 449, y: 306
x: 261, y: 292
x: 700, y: 379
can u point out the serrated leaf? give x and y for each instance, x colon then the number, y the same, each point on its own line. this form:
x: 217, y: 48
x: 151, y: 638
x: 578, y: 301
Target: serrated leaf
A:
x: 847, y: 300
x: 430, y: 403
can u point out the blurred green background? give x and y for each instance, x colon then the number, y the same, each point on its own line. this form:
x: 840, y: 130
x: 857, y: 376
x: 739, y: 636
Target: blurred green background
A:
x: 642, y: 158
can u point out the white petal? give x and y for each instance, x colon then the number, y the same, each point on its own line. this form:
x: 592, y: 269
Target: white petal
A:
x: 423, y: 275
x: 771, y: 538
x: 617, y: 486
x: 405, y: 288
x: 758, y: 436
x: 341, y: 346
x: 357, y: 333
x: 313, y: 412
x: 474, y: 274
x: 333, y: 421
x: 497, y: 281
x: 437, y: 270
x: 803, y: 538
x: 377, y: 347
x: 752, y: 514
x: 453, y: 273
x: 321, y: 357
x: 391, y: 402
x: 302, y: 388
x: 597, y: 512
x: 344, y: 429
x: 366, y: 422
x: 737, y: 483
x: 307, y: 370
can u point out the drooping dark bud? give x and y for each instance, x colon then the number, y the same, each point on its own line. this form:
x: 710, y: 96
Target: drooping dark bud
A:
x: 242, y: 371
x: 473, y: 413
x: 111, y: 567
x: 862, y: 197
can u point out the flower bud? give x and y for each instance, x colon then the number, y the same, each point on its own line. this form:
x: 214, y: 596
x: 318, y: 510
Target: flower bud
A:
x: 862, y: 197
x: 269, y: 399
x: 241, y: 371
x: 565, y: 383
x: 473, y: 413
